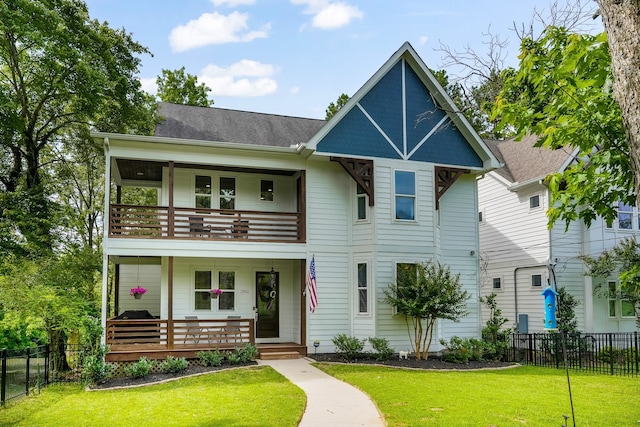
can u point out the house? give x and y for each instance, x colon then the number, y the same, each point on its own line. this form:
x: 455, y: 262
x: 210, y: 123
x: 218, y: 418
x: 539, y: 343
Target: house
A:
x: 521, y: 256
x: 246, y: 201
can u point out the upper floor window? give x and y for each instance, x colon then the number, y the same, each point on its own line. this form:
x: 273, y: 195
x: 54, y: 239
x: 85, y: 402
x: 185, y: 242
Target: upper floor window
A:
x: 202, y: 279
x: 227, y: 193
x: 363, y: 289
x: 625, y: 216
x: 497, y: 283
x: 534, y: 201
x: 536, y: 280
x: 203, y: 191
x: 266, y: 190
x: 362, y: 199
x: 405, y: 195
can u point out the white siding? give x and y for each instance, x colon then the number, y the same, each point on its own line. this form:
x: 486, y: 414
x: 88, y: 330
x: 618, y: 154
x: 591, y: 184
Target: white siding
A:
x: 147, y: 276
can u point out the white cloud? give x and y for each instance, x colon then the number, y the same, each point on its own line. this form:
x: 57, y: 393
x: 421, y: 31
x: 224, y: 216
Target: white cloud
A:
x: 295, y: 90
x: 149, y: 85
x: 244, y: 78
x: 214, y: 28
x: 329, y: 15
x: 423, y: 40
x: 232, y: 3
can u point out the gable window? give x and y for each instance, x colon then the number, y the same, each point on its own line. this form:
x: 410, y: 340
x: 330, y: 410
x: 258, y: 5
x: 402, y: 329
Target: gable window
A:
x: 536, y: 280
x: 363, y: 289
x: 534, y: 201
x: 227, y: 283
x: 202, y: 279
x: 227, y: 193
x: 362, y: 202
x: 266, y: 190
x: 497, y: 283
x: 619, y: 306
x: 203, y: 191
x: 405, y: 195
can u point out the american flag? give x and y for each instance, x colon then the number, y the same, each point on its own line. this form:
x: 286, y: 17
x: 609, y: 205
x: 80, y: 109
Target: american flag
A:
x: 311, y: 285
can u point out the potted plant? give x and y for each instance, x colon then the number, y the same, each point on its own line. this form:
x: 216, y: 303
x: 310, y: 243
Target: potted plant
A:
x: 137, y: 292
x: 215, y: 293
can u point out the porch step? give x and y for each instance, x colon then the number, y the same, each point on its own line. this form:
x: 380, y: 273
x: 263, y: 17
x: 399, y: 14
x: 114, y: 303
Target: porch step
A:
x: 279, y: 355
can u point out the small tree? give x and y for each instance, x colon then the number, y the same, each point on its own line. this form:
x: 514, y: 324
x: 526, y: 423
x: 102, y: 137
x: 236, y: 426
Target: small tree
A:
x: 496, y: 338
x: 422, y: 294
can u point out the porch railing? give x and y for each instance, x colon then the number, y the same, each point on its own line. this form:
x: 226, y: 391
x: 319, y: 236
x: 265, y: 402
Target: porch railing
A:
x: 155, y: 334
x: 218, y: 224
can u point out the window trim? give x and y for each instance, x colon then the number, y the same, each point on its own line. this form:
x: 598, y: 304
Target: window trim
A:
x: 222, y: 196
x: 413, y: 196
x: 227, y: 291
x: 195, y: 195
x: 493, y: 283
x: 535, y: 208
x: 363, y: 195
x: 614, y: 296
x: 367, y: 288
x: 195, y: 292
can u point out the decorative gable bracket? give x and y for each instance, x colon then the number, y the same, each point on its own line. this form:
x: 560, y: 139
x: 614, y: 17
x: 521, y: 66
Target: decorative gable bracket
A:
x: 361, y: 171
x: 445, y: 177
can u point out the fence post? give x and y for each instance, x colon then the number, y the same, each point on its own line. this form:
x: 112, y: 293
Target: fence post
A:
x: 3, y: 382
x: 46, y: 364
x: 27, y: 371
x: 636, y: 354
x: 611, y: 353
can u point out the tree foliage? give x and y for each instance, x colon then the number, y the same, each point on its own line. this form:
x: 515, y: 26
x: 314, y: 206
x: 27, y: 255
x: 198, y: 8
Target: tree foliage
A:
x: 422, y: 294
x: 622, y: 261
x: 334, y: 107
x: 179, y: 87
x: 562, y: 93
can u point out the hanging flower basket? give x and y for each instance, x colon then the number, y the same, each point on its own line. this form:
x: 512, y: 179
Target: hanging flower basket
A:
x: 137, y: 292
x: 215, y: 293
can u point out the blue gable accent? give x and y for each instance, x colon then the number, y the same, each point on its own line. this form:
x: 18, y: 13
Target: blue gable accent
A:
x: 384, y: 123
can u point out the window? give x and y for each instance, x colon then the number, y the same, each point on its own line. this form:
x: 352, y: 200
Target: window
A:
x: 536, y: 280
x: 405, y: 190
x: 534, y: 201
x: 617, y: 299
x: 266, y: 190
x: 497, y: 283
x: 203, y: 191
x: 227, y: 282
x: 202, y: 286
x: 481, y: 216
x: 625, y: 215
x: 363, y: 289
x: 362, y: 199
x: 227, y: 193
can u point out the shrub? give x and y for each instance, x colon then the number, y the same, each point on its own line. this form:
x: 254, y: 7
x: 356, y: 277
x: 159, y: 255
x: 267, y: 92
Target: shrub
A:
x: 247, y: 353
x: 211, y: 358
x: 141, y: 368
x: 233, y: 357
x: 461, y: 350
x: 348, y: 347
x: 95, y: 370
x: 174, y: 364
x: 381, y: 349
x: 611, y: 355
x: 496, y: 339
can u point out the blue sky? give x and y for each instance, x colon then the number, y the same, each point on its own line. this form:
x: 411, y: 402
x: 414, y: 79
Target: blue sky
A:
x: 294, y: 57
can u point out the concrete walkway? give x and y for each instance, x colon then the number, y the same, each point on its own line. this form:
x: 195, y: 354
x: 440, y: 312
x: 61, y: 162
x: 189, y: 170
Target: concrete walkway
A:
x: 330, y: 402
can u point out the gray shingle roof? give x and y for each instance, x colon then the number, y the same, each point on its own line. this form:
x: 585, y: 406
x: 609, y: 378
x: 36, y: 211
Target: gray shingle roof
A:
x: 243, y: 127
x: 523, y: 161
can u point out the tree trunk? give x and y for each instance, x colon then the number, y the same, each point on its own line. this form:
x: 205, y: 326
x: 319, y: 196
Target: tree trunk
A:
x: 57, y: 344
x: 622, y: 23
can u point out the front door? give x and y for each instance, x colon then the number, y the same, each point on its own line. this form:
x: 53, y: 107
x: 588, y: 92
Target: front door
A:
x: 267, y: 297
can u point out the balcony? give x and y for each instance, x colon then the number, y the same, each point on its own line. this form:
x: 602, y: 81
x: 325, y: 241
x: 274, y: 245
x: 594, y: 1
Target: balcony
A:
x: 159, y: 222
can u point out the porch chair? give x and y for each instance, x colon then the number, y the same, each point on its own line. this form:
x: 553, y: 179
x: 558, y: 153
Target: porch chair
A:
x: 195, y: 330
x: 240, y: 228
x: 232, y: 330
x: 197, y: 227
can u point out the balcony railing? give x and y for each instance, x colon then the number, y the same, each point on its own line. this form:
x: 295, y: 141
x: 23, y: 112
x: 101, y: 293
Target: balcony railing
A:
x: 218, y: 224
x: 154, y: 334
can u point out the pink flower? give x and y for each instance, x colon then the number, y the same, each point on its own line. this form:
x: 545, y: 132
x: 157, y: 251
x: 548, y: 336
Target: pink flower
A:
x: 138, y: 290
x: 215, y: 291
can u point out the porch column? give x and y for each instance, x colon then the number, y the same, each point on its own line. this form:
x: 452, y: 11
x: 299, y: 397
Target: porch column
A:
x: 303, y: 302
x: 171, y: 215
x: 170, y: 304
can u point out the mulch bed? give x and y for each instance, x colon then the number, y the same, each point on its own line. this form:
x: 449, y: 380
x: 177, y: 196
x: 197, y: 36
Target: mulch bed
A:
x: 434, y: 363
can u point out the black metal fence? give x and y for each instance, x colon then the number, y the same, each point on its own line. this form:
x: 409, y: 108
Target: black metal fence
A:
x: 23, y: 371
x: 607, y: 353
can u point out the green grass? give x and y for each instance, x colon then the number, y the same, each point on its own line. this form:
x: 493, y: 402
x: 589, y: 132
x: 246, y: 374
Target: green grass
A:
x: 524, y: 396
x: 244, y: 397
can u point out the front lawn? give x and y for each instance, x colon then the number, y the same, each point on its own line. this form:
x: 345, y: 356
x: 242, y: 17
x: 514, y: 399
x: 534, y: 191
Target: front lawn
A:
x: 524, y: 396
x: 244, y: 397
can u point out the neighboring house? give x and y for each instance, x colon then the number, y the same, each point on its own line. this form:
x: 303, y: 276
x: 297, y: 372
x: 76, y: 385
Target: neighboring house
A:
x: 520, y: 254
x: 247, y: 200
